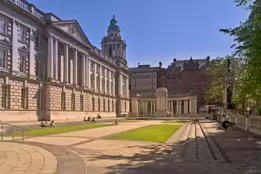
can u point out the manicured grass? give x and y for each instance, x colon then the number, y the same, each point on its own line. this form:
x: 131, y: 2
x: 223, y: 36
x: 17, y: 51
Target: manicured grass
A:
x: 58, y: 130
x: 155, y: 133
x: 176, y: 122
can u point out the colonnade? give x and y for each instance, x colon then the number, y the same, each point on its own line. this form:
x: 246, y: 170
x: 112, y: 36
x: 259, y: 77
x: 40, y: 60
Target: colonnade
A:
x: 70, y: 65
x: 182, y: 107
x: 176, y: 107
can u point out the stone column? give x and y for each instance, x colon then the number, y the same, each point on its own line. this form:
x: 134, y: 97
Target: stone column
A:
x: 120, y: 85
x: 194, y: 106
x: 55, y: 59
x: 71, y: 71
x: 62, y: 67
x: 177, y: 107
x: 171, y: 106
x: 50, y: 58
x: 127, y: 87
x: 185, y: 106
x: 95, y: 77
x: 190, y: 106
x: 180, y: 108
x: 87, y: 71
x: 109, y: 92
x: 66, y: 62
x: 32, y: 55
x: 75, y: 75
x: 100, y: 78
x: 83, y: 70
x: 15, y: 54
x: 105, y: 78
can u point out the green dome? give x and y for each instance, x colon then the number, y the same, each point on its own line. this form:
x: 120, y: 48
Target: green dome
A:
x: 114, y: 24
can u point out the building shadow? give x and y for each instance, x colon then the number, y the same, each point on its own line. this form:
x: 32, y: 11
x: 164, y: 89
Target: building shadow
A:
x: 242, y: 149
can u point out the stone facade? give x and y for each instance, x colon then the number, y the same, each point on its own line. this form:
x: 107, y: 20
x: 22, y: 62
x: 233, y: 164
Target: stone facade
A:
x: 50, y: 70
x: 182, y: 78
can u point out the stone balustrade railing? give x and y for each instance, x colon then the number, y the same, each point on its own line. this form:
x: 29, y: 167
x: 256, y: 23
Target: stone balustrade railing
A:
x: 247, y: 123
x: 28, y: 7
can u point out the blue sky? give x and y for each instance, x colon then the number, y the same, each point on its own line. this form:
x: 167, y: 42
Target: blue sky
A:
x: 156, y: 30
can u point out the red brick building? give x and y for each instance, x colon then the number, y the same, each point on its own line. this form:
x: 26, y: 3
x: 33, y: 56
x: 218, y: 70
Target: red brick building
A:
x: 189, y: 77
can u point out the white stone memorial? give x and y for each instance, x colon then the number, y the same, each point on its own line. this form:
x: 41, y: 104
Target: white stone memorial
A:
x: 161, y: 102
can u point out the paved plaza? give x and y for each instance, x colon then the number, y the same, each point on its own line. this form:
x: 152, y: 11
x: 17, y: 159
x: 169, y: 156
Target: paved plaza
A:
x: 194, y: 149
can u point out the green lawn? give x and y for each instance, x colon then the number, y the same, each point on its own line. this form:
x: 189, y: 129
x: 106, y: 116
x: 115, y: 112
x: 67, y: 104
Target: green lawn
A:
x: 155, y: 133
x: 176, y: 122
x: 58, y: 130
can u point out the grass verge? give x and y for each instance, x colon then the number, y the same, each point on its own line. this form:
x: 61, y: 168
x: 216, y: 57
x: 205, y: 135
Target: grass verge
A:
x: 128, y: 121
x: 175, y: 122
x: 155, y: 133
x: 58, y: 130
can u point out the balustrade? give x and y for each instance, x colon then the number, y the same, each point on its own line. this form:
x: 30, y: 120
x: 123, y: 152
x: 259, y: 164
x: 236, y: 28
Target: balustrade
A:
x: 28, y: 7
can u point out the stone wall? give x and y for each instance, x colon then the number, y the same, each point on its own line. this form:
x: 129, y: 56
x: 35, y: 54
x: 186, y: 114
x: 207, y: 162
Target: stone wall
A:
x: 50, y: 103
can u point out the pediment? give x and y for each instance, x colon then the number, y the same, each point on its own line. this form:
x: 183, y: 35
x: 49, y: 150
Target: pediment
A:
x: 73, y: 29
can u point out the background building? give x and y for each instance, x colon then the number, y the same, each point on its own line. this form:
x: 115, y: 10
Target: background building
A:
x: 50, y: 70
x: 189, y: 77
x: 184, y: 79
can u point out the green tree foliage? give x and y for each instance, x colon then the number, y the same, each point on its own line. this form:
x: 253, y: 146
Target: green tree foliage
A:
x: 218, y: 72
x: 248, y: 45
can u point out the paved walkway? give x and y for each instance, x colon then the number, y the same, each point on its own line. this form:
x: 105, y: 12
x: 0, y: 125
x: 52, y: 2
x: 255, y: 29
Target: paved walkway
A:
x: 190, y: 150
x: 20, y: 158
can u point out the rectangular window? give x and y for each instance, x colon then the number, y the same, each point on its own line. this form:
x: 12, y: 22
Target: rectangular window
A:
x: 37, y: 42
x: 39, y: 99
x: 98, y: 87
x: 5, y: 96
x: 24, y: 98
x: 23, y: 63
x: 81, y: 102
x: 103, y: 104
x: 3, y: 57
x: 73, y: 102
x: 103, y: 84
x: 63, y: 101
x: 23, y: 34
x: 3, y: 26
x: 112, y: 106
x: 108, y: 86
x: 99, y: 104
x: 93, y: 104
x: 109, y: 109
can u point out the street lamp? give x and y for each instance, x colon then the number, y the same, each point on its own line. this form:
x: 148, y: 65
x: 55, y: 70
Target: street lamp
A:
x: 138, y: 96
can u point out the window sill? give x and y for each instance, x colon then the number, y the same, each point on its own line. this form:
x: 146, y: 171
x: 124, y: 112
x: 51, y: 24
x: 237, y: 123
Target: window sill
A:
x: 5, y: 70
x: 5, y: 35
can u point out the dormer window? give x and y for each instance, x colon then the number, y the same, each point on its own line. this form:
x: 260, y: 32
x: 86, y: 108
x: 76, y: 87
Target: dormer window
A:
x: 111, y: 35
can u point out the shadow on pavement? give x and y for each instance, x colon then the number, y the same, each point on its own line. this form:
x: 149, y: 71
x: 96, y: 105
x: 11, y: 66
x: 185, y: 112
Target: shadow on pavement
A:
x: 242, y: 148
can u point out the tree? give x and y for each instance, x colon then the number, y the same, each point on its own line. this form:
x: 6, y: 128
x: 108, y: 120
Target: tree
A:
x: 218, y: 72
x: 248, y: 45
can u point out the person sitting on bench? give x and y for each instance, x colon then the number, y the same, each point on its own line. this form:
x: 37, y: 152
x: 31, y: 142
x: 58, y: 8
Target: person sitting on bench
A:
x: 226, y: 122
x: 93, y: 120
x: 85, y: 118
x: 52, y: 124
x: 98, y: 117
x: 43, y: 124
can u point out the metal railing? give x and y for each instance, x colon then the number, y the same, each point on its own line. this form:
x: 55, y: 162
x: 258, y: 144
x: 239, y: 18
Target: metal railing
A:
x: 11, y: 132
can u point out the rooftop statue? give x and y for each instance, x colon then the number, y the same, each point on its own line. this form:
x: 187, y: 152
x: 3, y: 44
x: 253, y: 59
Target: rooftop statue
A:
x: 160, y: 64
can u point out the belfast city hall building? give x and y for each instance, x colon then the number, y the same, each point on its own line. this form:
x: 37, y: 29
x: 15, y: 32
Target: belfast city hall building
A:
x: 49, y: 70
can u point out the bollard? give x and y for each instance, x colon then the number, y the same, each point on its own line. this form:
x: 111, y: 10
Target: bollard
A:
x: 2, y: 132
x: 13, y: 133
x: 23, y: 133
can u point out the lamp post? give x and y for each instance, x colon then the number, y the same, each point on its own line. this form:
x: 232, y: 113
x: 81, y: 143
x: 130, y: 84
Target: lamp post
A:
x: 2, y: 114
x: 138, y: 113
